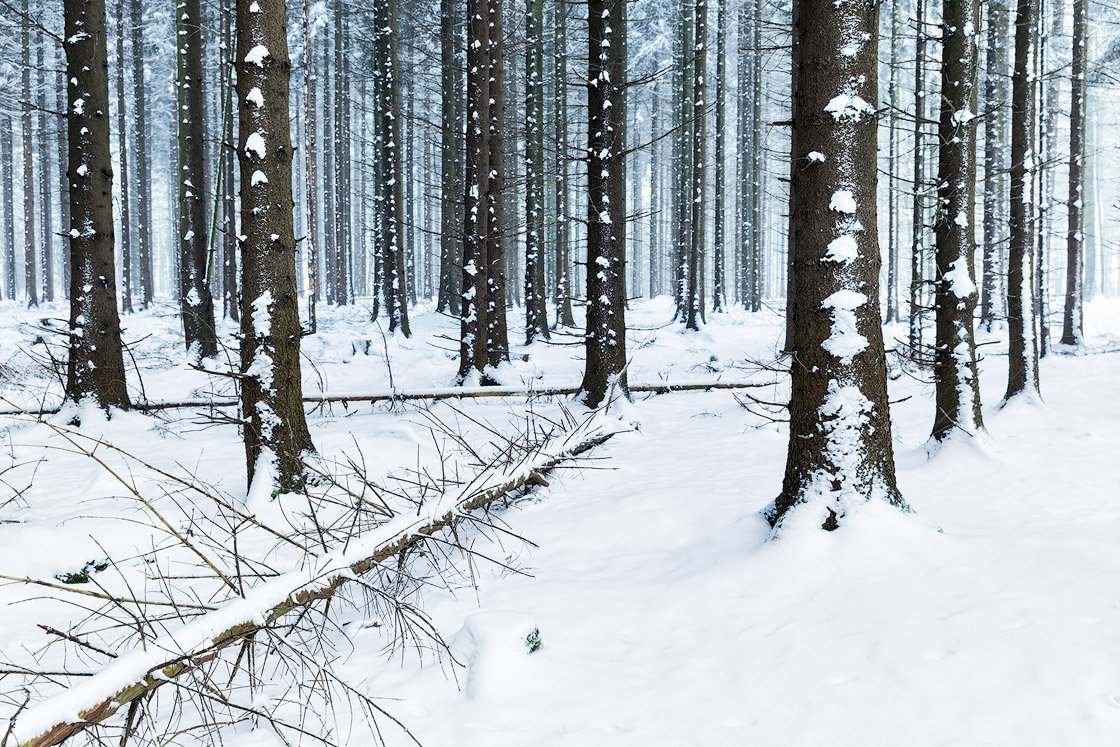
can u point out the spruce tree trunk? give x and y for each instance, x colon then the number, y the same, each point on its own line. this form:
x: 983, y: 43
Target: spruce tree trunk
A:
x: 918, y: 242
x: 196, y: 301
x: 957, y: 386
x: 606, y: 251
x: 474, y: 307
x: 840, y: 450
x: 95, y: 366
x: 562, y: 292
x: 124, y: 174
x: 699, y: 132
x: 7, y: 208
x: 1022, y: 377
x: 497, y: 337
x: 30, y: 234
x: 46, y: 188
x: 275, y: 428
x: 995, y: 160
x: 758, y: 189
x: 718, y: 235
x: 1072, y: 328
x: 892, y: 164
x: 63, y: 180
x: 341, y: 161
x: 536, y: 315
x: 144, y: 248
x: 311, y: 185
x: 451, y: 126
x: 389, y: 141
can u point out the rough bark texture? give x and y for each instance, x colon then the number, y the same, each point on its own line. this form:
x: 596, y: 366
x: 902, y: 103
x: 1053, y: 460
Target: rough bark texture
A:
x: 719, y: 229
x: 143, y: 158
x: 196, y: 302
x: 1075, y: 235
x: 125, y: 175
x: 536, y: 318
x: 275, y: 427
x: 451, y: 157
x: 1022, y: 376
x: 95, y: 368
x: 995, y: 160
x: 497, y: 336
x: 606, y: 252
x: 30, y: 276
x: 389, y: 140
x: 694, y: 313
x: 840, y: 451
x: 562, y: 292
x: 230, y: 298
x: 957, y: 386
x: 917, y: 246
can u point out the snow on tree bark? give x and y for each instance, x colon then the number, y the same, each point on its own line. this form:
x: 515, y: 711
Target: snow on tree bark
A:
x: 275, y: 428
x: 1075, y: 235
x: 605, y: 339
x: 95, y: 366
x: 957, y: 397
x: 840, y: 451
x: 536, y: 318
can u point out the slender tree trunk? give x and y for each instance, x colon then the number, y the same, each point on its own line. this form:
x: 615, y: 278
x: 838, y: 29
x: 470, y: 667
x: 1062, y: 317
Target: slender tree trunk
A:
x: 196, y: 301
x: 995, y: 159
x: 536, y: 316
x: 918, y: 244
x: 44, y: 152
x: 655, y: 206
x: 497, y: 337
x: 30, y: 234
x: 63, y: 181
x: 718, y: 236
x: 1022, y: 378
x: 144, y: 248
x: 957, y: 385
x: 7, y: 208
x: 605, y: 365
x: 562, y: 294
x: 341, y: 162
x: 474, y: 308
x: 125, y: 176
x: 1072, y: 329
x: 892, y: 164
x: 310, y: 115
x: 276, y: 435
x: 698, y: 162
x: 451, y: 127
x: 95, y: 367
x: 389, y: 141
x: 840, y: 450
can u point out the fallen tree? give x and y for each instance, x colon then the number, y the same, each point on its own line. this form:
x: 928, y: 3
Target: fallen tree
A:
x: 138, y: 673
x: 432, y: 395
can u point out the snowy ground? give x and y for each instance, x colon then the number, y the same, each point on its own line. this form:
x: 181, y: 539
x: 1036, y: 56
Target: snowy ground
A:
x: 991, y: 615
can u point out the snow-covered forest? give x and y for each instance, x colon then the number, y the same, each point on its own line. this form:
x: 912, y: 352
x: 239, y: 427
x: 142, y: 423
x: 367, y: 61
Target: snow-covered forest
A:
x: 538, y: 372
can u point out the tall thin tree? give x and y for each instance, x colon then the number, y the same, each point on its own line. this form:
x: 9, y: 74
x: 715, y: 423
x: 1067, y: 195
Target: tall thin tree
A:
x: 1072, y: 324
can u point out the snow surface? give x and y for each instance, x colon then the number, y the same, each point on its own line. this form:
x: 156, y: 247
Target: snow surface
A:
x: 665, y: 614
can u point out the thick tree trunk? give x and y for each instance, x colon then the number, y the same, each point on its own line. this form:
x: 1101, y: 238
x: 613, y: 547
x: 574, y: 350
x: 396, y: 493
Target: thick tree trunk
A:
x: 95, y: 368
x: 536, y: 315
x: 389, y: 142
x: 840, y: 450
x: 196, y: 301
x: 1022, y: 377
x: 1075, y: 235
x: 275, y: 429
x: 957, y: 386
x: 474, y: 307
x: 497, y: 337
x: 605, y: 365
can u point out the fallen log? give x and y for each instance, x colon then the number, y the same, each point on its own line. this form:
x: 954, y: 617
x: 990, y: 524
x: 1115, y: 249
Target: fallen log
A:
x: 428, y: 394
x: 137, y: 673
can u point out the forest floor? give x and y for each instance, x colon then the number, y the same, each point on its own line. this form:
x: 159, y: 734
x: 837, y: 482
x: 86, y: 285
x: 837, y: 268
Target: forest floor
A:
x: 666, y: 614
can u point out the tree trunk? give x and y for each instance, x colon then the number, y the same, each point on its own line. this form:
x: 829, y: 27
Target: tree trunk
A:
x: 451, y: 134
x: 144, y: 247
x: 957, y: 386
x: 697, y: 163
x: 30, y: 235
x: 562, y: 294
x: 124, y: 175
x: 310, y: 123
x: 995, y: 159
x: 275, y: 429
x: 840, y: 450
x: 196, y: 301
x: 7, y: 208
x: 46, y: 190
x: 95, y: 367
x: 918, y: 243
x: 389, y: 141
x: 497, y: 337
x: 605, y: 365
x: 718, y: 235
x: 536, y: 315
x: 1072, y: 329
x: 1022, y: 377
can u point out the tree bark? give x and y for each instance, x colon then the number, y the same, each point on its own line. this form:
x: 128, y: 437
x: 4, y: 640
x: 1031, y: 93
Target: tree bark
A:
x: 275, y: 429
x: 1022, y: 377
x: 605, y: 341
x: 497, y: 337
x: 451, y: 137
x: 95, y: 367
x: 144, y: 248
x: 957, y: 396
x: 124, y: 174
x: 995, y: 160
x: 719, y: 230
x: 840, y: 449
x: 30, y: 235
x: 562, y: 292
x: 1072, y: 329
x: 536, y: 314
x: 196, y: 301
